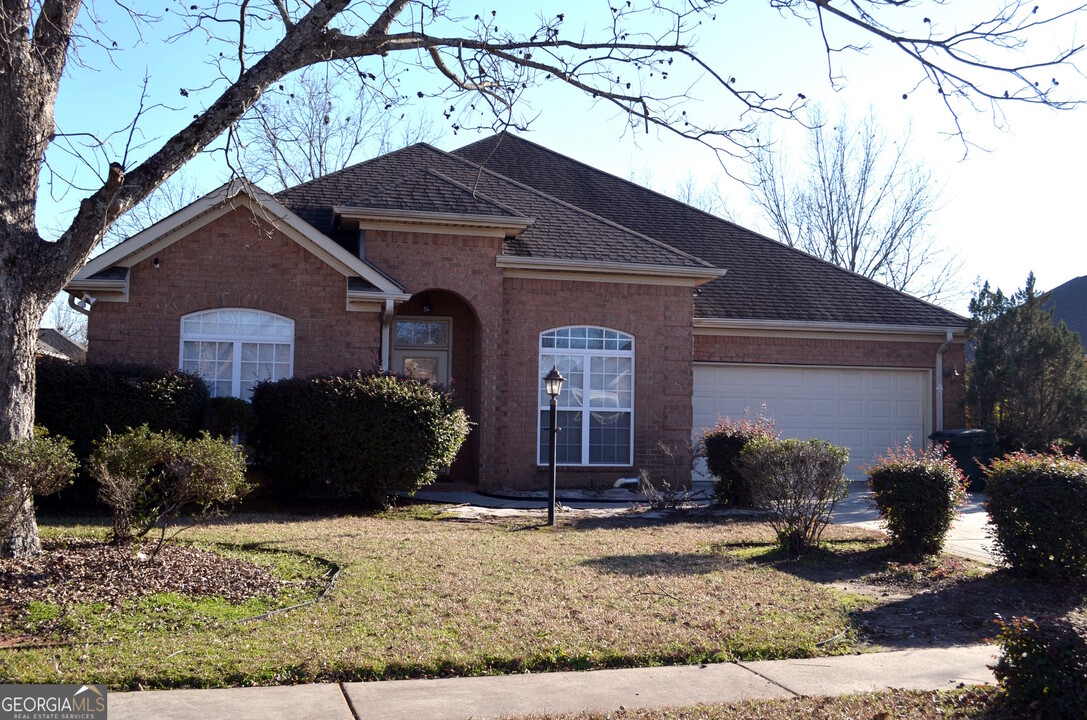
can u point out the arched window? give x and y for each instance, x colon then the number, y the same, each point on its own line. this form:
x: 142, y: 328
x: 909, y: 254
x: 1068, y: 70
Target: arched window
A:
x: 596, y: 406
x: 234, y: 349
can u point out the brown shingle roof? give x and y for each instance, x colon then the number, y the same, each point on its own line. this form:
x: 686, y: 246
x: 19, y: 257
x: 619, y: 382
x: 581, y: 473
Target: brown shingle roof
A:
x: 54, y: 343
x: 766, y: 280
x: 427, y: 191
x: 560, y: 229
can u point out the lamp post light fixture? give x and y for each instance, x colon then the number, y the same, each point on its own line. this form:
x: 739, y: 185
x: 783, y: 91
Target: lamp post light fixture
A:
x: 553, y: 386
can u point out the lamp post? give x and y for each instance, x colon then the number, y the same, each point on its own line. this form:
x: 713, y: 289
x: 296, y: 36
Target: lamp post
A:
x: 553, y: 386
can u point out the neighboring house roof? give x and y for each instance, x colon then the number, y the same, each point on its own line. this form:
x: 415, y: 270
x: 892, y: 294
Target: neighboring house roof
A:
x: 766, y: 281
x: 54, y: 343
x: 1069, y: 303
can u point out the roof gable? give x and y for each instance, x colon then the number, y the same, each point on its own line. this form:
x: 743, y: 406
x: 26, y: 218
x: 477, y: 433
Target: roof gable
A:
x: 112, y: 265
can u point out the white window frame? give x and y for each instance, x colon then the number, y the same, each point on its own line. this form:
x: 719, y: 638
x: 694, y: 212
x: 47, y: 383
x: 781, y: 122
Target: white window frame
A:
x: 586, y: 408
x: 237, y: 340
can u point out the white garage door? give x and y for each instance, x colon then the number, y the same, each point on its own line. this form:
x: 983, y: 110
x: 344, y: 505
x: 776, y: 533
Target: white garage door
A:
x: 864, y: 409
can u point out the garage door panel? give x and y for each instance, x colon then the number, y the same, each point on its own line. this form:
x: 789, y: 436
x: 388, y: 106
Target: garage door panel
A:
x: 850, y: 380
x: 823, y: 408
x: 852, y: 437
x: 904, y: 436
x: 824, y: 381
x: 905, y: 410
x: 865, y: 409
x: 851, y: 409
x: 880, y: 409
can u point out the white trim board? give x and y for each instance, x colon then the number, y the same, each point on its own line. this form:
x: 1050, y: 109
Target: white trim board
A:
x: 218, y: 203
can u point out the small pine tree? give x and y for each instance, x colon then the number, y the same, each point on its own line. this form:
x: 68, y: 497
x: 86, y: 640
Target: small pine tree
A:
x: 1028, y: 381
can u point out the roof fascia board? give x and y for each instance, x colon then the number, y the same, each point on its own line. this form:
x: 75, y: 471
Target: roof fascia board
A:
x: 600, y: 277
x: 398, y: 218
x: 371, y: 295
x: 101, y: 290
x: 696, y: 275
x: 794, y: 328
x: 160, y: 234
x: 370, y: 301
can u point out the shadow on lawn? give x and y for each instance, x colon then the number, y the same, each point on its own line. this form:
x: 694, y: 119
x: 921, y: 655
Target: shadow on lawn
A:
x: 963, y: 612
x: 664, y: 518
x: 657, y: 564
x: 936, y: 612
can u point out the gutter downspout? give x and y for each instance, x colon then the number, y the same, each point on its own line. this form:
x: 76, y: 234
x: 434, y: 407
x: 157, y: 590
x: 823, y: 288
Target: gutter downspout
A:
x: 940, y: 381
x: 83, y: 305
x: 386, y: 335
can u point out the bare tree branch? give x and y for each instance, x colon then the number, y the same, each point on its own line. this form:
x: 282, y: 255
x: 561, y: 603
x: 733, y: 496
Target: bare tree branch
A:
x: 641, y: 62
x: 860, y: 204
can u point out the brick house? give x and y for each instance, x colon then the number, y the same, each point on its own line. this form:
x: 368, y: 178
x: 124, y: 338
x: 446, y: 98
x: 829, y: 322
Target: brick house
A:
x: 480, y: 268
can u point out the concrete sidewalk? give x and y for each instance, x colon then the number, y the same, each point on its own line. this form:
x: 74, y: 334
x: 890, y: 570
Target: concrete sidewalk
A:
x: 603, y: 690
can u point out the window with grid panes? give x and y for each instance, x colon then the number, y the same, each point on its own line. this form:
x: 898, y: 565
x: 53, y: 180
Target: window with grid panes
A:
x: 596, y: 406
x: 234, y: 349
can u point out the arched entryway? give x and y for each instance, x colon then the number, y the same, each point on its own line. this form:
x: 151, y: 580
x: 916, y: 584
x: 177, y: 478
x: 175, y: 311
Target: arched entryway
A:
x: 436, y: 335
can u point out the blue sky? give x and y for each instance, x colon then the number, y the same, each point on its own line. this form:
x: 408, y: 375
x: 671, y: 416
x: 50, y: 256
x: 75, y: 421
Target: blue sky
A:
x: 1012, y: 207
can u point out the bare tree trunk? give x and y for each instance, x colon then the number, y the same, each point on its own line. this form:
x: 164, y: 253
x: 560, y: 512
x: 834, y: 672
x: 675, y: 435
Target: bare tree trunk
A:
x: 20, y: 313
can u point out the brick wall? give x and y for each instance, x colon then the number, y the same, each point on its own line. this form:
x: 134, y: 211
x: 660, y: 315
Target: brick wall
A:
x: 235, y: 261
x: 860, y: 353
x: 659, y: 318
x: 463, y: 265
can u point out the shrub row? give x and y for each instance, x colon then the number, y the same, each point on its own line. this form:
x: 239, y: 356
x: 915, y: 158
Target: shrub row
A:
x: 84, y: 403
x: 796, y: 483
x: 39, y: 465
x: 358, y: 435
x: 1043, y: 669
x: 362, y: 435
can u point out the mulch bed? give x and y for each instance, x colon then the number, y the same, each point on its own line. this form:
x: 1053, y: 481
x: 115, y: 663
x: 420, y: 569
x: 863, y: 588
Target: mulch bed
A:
x: 85, y: 571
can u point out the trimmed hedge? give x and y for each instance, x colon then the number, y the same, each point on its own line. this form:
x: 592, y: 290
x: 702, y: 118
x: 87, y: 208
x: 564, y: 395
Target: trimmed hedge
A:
x: 1043, y: 671
x: 84, y: 403
x: 796, y: 483
x: 1038, y: 509
x: 916, y: 493
x: 227, y: 417
x: 358, y: 435
x: 722, y: 445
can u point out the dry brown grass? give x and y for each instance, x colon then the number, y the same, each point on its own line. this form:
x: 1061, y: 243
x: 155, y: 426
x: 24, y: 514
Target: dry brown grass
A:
x: 431, y: 598
x: 967, y: 704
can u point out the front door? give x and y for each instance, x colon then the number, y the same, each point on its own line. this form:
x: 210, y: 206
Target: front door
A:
x: 421, y: 348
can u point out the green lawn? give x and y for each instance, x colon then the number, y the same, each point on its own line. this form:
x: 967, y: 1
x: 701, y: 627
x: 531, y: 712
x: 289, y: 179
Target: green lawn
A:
x: 418, y: 596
